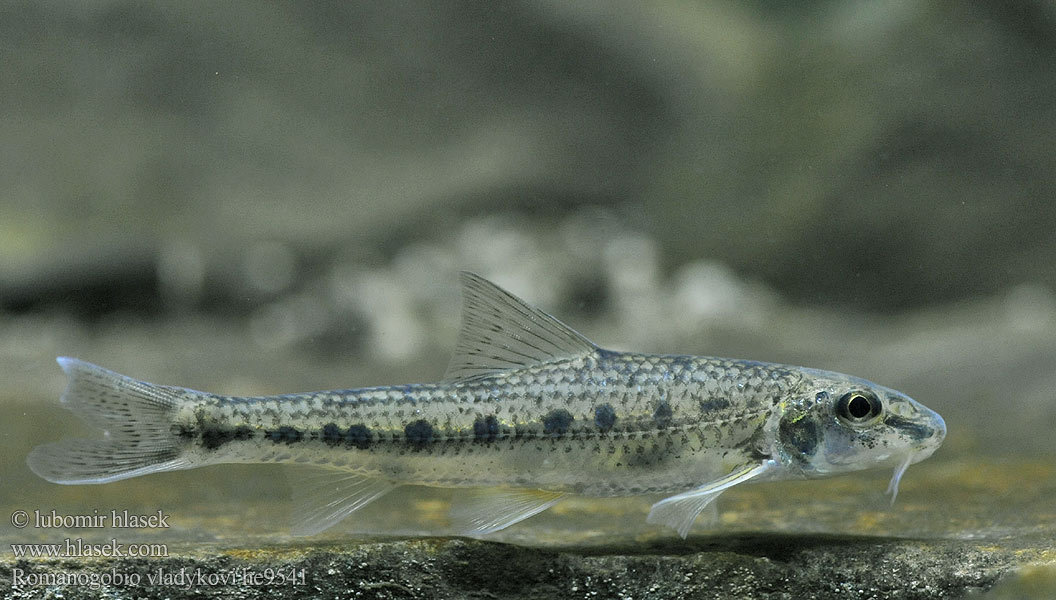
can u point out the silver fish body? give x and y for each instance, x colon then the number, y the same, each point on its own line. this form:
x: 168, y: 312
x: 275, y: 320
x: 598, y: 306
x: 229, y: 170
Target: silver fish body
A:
x: 529, y: 411
x: 609, y: 424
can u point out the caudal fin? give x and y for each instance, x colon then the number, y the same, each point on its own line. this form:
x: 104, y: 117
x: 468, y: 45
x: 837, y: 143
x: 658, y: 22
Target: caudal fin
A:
x: 135, y: 416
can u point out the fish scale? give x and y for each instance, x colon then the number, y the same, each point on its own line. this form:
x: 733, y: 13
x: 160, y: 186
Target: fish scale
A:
x: 519, y: 407
x: 529, y: 411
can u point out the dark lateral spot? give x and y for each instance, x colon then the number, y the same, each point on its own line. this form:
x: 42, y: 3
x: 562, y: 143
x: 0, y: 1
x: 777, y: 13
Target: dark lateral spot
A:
x: 604, y: 417
x: 359, y: 436
x: 485, y: 429
x: 662, y: 415
x: 557, y: 422
x: 331, y: 434
x: 799, y: 434
x: 214, y: 437
x: 419, y: 433
x: 284, y: 434
x: 712, y: 404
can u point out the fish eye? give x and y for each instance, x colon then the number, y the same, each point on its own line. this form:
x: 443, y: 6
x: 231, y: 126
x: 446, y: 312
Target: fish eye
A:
x: 856, y: 408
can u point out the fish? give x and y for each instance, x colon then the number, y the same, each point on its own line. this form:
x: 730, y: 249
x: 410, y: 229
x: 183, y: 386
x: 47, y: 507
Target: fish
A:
x: 528, y: 412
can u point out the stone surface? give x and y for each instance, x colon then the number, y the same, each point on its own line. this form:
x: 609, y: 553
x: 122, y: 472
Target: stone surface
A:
x: 756, y: 566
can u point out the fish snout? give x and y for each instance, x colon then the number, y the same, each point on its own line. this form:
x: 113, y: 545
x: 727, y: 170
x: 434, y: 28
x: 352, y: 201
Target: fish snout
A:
x: 931, y: 432
x: 939, y: 425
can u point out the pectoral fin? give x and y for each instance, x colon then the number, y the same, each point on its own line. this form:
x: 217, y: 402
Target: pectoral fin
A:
x: 679, y: 511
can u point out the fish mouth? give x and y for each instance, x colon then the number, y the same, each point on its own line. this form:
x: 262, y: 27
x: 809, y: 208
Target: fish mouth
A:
x: 939, y: 425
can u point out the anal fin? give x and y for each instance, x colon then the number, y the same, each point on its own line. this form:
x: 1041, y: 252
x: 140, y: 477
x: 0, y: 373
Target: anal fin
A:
x: 477, y: 511
x: 680, y: 511
x: 323, y: 497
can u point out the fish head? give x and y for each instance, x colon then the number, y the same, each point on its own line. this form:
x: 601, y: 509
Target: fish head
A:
x: 841, y: 424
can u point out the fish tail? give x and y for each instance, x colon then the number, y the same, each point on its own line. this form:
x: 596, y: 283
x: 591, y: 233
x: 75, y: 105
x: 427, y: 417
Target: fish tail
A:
x: 137, y: 418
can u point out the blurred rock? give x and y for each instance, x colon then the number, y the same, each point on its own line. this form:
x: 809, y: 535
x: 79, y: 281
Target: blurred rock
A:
x: 880, y: 156
x: 886, y: 155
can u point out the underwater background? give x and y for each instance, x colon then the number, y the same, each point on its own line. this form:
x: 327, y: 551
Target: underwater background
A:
x: 252, y: 198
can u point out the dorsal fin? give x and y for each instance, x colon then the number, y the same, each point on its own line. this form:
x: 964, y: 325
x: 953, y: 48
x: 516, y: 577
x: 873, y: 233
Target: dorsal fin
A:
x: 501, y: 331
